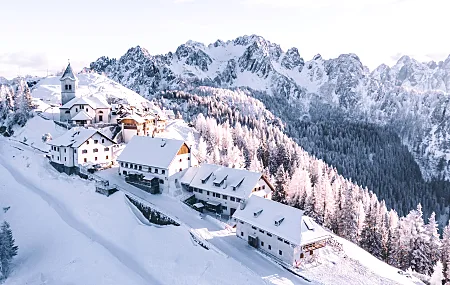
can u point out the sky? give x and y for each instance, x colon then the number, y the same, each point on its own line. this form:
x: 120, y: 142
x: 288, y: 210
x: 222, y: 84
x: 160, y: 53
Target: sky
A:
x: 43, y: 35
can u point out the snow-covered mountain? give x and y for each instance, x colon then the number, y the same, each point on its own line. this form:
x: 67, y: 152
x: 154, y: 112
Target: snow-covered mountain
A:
x: 411, y: 97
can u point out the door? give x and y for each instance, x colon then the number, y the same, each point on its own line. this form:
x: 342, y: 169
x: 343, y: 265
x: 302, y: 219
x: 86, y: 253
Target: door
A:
x: 253, y: 241
x: 232, y: 210
x: 100, y: 118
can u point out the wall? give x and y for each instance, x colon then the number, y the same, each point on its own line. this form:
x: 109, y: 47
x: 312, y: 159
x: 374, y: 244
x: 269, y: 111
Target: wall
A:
x: 176, y: 164
x: 145, y: 171
x: 77, y: 108
x: 90, y: 155
x: 106, y: 115
x: 276, y: 245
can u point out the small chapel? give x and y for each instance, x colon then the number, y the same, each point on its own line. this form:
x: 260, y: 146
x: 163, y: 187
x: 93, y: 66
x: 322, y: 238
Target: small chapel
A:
x: 83, y: 110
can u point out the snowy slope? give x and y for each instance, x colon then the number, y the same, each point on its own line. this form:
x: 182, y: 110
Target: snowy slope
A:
x: 76, y: 236
x: 49, y: 89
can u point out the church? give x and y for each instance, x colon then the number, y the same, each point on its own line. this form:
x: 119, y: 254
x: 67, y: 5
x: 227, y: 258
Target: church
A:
x: 81, y: 110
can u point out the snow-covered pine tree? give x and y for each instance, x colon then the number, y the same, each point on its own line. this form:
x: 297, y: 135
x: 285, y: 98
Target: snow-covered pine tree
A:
x: 202, y: 150
x: 437, y: 276
x: 348, y: 220
x: 419, y: 254
x: 370, y: 235
x: 392, y: 242
x: 8, y: 249
x: 445, y: 252
x: 23, y: 105
x: 281, y: 180
x: 433, y: 241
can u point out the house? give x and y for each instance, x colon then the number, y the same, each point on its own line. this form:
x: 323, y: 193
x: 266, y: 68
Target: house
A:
x: 80, y: 110
x: 79, y: 146
x: 222, y: 189
x: 161, y: 123
x: 279, y: 230
x: 136, y: 125
x: 155, y: 158
x: 169, y: 114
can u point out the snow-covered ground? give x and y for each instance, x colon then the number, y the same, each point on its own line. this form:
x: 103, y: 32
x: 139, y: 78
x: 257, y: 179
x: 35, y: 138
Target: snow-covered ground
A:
x: 49, y: 89
x: 68, y: 234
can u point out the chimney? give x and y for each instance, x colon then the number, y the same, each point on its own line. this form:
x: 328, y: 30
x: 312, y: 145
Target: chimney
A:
x: 242, y: 204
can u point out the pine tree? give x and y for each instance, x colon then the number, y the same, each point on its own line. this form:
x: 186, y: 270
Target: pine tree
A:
x: 8, y: 249
x: 419, y: 247
x: 22, y: 104
x: 202, y: 151
x: 445, y: 252
x: 438, y: 276
x: 280, y: 193
x: 392, y: 242
x: 433, y: 242
x: 370, y: 235
x: 348, y: 226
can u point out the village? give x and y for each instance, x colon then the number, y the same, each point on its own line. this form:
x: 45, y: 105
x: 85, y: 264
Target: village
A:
x: 147, y: 163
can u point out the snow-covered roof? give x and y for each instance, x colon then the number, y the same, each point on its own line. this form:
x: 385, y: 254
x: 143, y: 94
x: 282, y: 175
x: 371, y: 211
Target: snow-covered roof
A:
x: 225, y: 180
x: 169, y: 113
x: 292, y: 226
x: 189, y: 175
x: 75, y: 137
x: 134, y: 117
x: 93, y: 101
x: 68, y: 74
x: 153, y: 152
x: 81, y: 116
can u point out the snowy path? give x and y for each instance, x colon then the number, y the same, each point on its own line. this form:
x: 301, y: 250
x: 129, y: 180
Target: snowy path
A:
x: 225, y: 241
x: 126, y: 259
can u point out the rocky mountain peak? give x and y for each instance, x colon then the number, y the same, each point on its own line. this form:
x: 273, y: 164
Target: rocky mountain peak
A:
x: 292, y: 59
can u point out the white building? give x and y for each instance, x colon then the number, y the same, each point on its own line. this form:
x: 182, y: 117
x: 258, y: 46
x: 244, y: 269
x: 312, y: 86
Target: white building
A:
x: 80, y: 110
x: 279, y: 230
x: 222, y: 188
x: 81, y: 146
x: 156, y: 158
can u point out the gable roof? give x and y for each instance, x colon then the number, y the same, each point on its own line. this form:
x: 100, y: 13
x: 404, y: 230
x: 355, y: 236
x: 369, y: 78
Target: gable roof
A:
x: 68, y: 74
x: 75, y: 137
x: 93, y: 101
x: 242, y: 180
x: 81, y: 116
x: 156, y: 152
x: 294, y: 227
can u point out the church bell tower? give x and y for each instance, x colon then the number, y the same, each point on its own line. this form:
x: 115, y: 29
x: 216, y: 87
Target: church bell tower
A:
x: 69, y: 85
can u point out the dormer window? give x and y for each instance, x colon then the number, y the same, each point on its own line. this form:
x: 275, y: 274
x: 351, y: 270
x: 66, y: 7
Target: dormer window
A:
x: 278, y: 220
x: 257, y: 213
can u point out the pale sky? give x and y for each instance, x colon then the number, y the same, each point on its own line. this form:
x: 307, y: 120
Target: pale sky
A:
x: 37, y: 35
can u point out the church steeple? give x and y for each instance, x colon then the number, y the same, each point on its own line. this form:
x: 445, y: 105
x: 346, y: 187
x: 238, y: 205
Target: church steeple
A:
x: 69, y: 84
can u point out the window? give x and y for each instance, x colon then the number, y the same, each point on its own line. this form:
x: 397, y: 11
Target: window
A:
x: 200, y: 191
x: 232, y: 199
x: 253, y: 227
x: 53, y: 157
x: 242, y: 234
x: 85, y: 159
x: 224, y: 197
x: 121, y: 164
x: 181, y: 169
x: 238, y: 200
x: 269, y: 247
x: 241, y: 222
x: 280, y: 252
x: 58, y: 157
x: 156, y: 170
x: 95, y: 150
x: 264, y: 186
x: 195, y: 190
x: 286, y: 242
x: 207, y: 193
x: 311, y: 252
x: 106, y: 148
x: 87, y: 142
x: 67, y: 112
x: 75, y: 150
x: 302, y: 255
x: 140, y: 167
x: 135, y: 166
x: 180, y: 159
x: 124, y: 172
x: 95, y: 141
x: 58, y: 148
x: 66, y: 87
x: 65, y: 159
x: 161, y: 181
x: 95, y: 158
x: 103, y: 140
x: 269, y: 234
x: 70, y: 87
x: 280, y: 239
x: 126, y: 165
x: 261, y: 231
x: 262, y: 243
x: 100, y: 118
x: 87, y: 109
x: 163, y: 171
x: 149, y: 169
x: 224, y: 208
x: 107, y: 157
x: 76, y: 109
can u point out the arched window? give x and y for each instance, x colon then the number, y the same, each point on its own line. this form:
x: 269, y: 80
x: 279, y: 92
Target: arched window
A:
x: 67, y: 87
x: 100, y: 112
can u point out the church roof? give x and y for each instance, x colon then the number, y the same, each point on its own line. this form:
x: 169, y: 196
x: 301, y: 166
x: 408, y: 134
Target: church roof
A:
x: 68, y: 74
x: 81, y: 116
